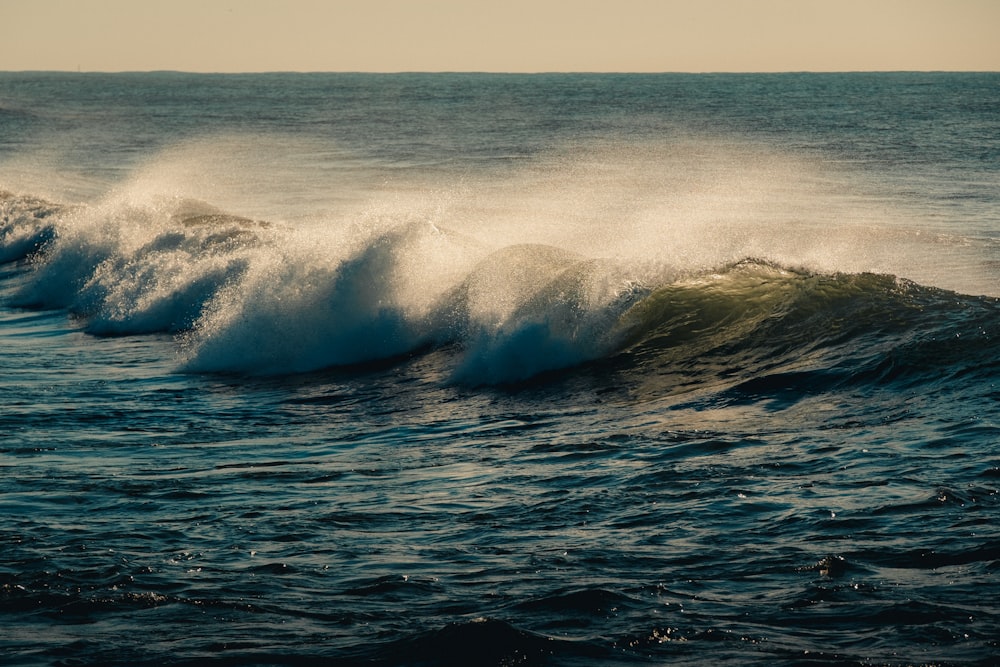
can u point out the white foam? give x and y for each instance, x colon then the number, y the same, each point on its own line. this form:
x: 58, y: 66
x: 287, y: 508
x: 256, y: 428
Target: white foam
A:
x: 521, y: 270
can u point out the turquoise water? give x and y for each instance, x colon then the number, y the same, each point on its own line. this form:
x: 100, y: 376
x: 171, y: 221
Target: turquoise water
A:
x: 487, y: 369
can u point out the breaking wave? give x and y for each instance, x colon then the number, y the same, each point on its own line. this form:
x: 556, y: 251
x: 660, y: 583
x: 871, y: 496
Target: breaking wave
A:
x: 251, y: 297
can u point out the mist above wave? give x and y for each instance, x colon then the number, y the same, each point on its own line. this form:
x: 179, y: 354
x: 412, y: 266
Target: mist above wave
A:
x: 519, y: 270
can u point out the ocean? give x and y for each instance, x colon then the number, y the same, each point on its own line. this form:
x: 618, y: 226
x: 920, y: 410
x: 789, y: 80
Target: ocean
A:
x: 485, y: 369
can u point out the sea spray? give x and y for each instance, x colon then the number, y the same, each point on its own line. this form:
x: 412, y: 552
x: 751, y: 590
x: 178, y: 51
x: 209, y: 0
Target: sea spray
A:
x: 26, y: 224
x: 519, y: 270
x: 300, y: 308
x: 531, y: 309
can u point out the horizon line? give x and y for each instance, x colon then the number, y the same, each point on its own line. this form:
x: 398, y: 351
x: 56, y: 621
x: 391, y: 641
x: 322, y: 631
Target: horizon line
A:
x: 497, y: 72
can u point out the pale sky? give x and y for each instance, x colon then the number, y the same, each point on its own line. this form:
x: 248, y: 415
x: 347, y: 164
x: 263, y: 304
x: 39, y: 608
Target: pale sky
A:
x: 500, y: 35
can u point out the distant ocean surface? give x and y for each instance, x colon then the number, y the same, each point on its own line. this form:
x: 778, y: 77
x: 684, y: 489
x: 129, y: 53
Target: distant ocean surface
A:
x: 468, y: 369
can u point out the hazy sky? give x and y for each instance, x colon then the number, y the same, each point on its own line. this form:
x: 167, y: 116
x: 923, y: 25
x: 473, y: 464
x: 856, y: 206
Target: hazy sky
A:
x: 500, y: 35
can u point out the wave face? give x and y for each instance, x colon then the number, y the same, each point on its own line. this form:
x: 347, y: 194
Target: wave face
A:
x: 564, y: 370
x: 758, y: 334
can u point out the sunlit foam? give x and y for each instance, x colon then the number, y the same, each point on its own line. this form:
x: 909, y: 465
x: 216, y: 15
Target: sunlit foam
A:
x: 521, y: 270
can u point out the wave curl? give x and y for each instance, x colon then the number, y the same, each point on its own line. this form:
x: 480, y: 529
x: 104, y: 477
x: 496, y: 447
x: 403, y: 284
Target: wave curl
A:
x: 256, y: 298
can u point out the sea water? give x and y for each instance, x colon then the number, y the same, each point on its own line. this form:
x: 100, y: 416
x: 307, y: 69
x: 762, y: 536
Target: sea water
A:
x: 468, y: 369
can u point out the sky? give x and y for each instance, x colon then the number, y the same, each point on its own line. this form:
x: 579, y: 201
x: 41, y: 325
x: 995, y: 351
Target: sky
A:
x: 500, y: 35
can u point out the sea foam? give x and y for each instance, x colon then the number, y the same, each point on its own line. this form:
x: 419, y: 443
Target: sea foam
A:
x: 518, y: 272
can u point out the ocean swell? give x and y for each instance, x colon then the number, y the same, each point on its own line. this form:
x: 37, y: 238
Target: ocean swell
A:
x: 256, y: 298
x: 755, y: 331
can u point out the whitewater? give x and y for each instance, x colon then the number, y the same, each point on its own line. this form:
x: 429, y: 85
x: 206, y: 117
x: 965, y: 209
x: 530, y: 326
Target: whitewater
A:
x: 435, y: 369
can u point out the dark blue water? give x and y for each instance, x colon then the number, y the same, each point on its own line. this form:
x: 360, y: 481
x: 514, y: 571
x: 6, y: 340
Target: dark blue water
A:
x: 499, y: 370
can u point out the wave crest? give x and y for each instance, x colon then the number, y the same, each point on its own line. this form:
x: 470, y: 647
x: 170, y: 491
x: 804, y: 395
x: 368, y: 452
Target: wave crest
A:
x: 555, y: 311
x: 26, y: 224
x: 128, y: 267
x: 301, y: 307
x: 756, y: 326
x: 252, y: 297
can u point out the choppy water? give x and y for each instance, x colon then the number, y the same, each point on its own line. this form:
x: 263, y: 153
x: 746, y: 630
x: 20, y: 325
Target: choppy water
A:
x: 499, y: 370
